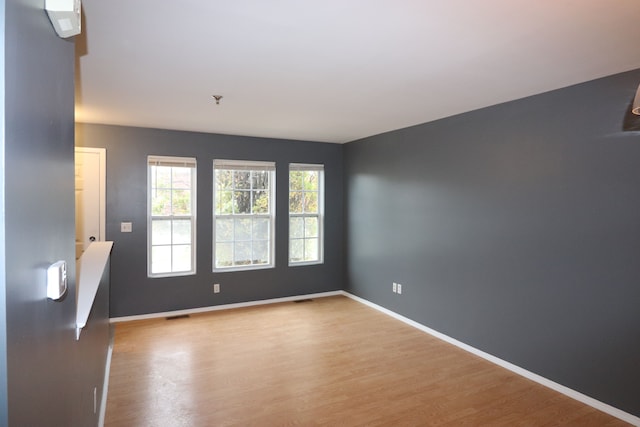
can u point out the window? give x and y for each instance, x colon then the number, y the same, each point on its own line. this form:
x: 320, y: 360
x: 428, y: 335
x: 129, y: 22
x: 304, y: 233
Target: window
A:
x: 306, y: 212
x: 171, y: 216
x: 243, y: 220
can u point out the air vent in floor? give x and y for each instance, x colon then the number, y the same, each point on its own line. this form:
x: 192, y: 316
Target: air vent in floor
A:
x: 180, y: 316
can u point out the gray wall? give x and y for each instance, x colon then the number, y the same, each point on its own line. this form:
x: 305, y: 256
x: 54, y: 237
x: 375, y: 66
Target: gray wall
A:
x: 132, y: 292
x: 515, y: 229
x: 49, y: 377
x: 3, y: 280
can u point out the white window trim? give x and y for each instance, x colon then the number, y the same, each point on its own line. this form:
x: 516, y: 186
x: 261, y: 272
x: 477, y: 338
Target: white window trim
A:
x: 225, y: 164
x: 320, y: 215
x: 176, y: 162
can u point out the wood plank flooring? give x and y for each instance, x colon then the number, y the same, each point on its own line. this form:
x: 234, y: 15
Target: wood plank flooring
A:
x: 327, y: 362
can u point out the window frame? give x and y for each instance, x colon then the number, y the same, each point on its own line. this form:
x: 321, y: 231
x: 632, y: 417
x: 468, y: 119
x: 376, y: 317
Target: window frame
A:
x: 319, y: 215
x: 246, y: 165
x: 171, y: 161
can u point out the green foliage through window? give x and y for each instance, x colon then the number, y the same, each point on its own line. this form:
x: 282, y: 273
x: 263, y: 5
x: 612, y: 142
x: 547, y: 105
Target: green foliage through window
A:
x: 243, y: 214
x: 305, y: 213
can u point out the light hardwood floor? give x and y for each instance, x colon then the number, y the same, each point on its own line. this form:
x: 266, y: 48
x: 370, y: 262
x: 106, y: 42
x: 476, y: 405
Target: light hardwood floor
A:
x: 330, y: 362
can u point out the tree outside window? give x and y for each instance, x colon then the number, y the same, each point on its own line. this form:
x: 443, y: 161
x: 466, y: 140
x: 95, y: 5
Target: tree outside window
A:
x: 306, y: 197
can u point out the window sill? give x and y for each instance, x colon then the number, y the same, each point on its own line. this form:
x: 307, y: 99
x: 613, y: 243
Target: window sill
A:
x: 243, y: 268
x: 304, y: 263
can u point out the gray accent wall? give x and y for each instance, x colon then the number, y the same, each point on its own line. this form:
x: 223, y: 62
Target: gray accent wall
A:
x: 133, y: 293
x: 4, y: 420
x: 514, y: 229
x: 47, y: 377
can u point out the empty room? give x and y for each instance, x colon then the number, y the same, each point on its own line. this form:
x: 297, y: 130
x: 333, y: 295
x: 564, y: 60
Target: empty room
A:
x: 269, y: 213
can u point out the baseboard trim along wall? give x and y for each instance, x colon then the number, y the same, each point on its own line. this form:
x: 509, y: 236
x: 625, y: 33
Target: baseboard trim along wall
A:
x: 223, y: 307
x: 601, y: 406
x: 105, y: 383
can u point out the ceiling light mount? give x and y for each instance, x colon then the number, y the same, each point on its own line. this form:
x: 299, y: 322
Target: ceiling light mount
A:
x: 217, y: 98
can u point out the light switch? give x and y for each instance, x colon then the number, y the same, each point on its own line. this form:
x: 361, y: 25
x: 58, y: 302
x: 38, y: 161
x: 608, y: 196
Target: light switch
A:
x: 125, y: 227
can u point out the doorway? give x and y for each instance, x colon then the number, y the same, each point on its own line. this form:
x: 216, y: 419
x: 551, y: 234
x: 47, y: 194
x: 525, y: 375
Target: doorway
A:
x: 90, y: 178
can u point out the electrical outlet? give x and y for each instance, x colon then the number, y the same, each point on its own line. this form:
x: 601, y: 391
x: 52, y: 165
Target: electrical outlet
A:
x: 399, y: 288
x: 216, y: 288
x: 395, y: 287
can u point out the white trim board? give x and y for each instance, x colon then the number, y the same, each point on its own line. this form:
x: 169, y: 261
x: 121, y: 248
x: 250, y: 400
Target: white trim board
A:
x: 601, y: 406
x: 223, y: 307
x: 105, y: 383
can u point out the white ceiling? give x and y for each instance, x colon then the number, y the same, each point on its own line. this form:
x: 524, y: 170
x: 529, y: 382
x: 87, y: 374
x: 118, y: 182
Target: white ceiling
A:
x: 336, y: 70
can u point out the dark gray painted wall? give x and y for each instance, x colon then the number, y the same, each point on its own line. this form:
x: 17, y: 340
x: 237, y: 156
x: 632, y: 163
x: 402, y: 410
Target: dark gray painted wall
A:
x: 3, y: 282
x: 50, y: 376
x: 515, y: 229
x: 91, y: 357
x: 132, y: 292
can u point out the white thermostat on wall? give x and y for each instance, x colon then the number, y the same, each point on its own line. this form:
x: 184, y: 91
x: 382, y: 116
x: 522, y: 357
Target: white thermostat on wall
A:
x: 57, y: 280
x: 65, y: 16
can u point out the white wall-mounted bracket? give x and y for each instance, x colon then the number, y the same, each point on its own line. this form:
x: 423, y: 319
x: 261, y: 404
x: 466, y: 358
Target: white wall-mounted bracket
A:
x: 65, y: 16
x: 57, y: 280
x: 90, y: 268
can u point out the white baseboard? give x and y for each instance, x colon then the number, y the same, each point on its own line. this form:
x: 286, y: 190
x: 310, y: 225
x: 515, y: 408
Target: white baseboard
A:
x: 223, y: 307
x: 601, y: 406
x: 105, y: 382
